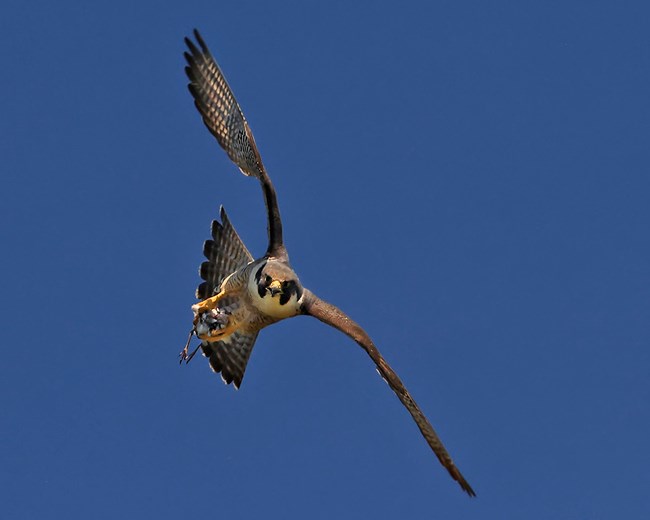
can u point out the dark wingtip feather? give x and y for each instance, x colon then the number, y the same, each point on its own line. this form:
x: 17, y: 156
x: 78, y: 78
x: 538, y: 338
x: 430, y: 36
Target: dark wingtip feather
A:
x: 226, y: 376
x: 222, y: 214
x: 202, y: 291
x: 194, y: 90
x: 207, y: 271
x: 193, y: 48
x: 200, y: 41
x: 215, y: 364
x: 209, y: 249
x: 467, y: 488
x: 221, y: 368
x: 215, y: 229
x: 458, y: 477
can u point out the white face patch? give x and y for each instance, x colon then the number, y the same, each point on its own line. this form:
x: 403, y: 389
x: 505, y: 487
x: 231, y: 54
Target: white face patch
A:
x: 270, y: 304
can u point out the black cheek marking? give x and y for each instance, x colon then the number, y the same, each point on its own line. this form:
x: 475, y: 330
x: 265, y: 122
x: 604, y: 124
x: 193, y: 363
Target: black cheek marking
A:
x: 284, y: 297
x: 261, y: 290
x: 258, y: 274
x: 295, y: 288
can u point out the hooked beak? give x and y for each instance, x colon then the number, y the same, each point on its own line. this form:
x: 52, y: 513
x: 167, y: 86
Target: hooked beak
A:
x: 275, y: 287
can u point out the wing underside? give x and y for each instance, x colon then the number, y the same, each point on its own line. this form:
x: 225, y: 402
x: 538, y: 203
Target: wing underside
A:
x: 219, y: 109
x: 230, y: 356
x: 224, y: 118
x: 334, y: 317
x: 225, y: 253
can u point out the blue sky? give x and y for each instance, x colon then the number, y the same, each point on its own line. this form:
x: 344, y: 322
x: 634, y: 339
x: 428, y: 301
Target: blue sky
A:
x: 468, y: 180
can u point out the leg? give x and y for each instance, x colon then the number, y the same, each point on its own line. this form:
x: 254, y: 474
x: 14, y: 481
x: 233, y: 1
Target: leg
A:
x: 184, y: 353
x: 208, y: 304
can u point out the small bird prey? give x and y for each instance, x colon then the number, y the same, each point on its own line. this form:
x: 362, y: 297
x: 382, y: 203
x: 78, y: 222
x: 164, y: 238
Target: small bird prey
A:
x: 240, y: 295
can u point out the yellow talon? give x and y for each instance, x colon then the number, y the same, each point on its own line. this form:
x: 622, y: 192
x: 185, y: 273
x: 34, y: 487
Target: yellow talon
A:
x: 217, y: 335
x: 208, y: 304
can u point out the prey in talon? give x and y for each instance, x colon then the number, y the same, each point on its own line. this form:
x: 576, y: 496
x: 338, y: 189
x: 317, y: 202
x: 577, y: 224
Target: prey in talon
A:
x: 210, y: 324
x: 240, y: 295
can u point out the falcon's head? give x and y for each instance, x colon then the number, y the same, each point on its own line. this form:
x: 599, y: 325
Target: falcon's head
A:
x: 275, y: 289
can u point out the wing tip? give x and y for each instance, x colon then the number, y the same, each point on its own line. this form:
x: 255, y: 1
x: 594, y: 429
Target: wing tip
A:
x: 458, y: 477
x: 221, y: 363
x: 200, y: 41
x: 192, y: 47
x: 467, y: 489
x: 202, y: 290
x: 227, y: 376
x: 222, y: 214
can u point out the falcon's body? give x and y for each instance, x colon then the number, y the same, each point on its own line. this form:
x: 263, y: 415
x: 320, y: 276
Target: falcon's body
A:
x: 236, y: 305
x: 239, y: 295
x: 240, y: 310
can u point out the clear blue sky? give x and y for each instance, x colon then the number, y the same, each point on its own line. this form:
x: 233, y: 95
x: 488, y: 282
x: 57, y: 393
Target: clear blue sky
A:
x: 468, y: 180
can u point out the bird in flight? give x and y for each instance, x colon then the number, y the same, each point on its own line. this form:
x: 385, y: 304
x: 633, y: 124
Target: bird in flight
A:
x: 241, y: 295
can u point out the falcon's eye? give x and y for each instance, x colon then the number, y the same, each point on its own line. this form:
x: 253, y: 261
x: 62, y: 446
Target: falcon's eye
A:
x: 267, y: 279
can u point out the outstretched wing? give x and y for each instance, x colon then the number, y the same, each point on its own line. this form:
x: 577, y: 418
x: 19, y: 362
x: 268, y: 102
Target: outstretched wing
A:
x: 230, y: 356
x: 224, y: 118
x: 327, y: 313
x: 225, y: 254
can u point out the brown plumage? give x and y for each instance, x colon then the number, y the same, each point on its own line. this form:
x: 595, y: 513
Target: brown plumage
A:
x: 225, y: 254
x: 329, y: 314
x: 239, y: 296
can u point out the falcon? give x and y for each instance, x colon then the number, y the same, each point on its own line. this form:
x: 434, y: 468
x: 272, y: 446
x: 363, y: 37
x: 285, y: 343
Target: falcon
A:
x: 241, y: 295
